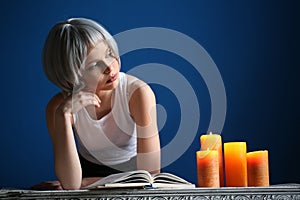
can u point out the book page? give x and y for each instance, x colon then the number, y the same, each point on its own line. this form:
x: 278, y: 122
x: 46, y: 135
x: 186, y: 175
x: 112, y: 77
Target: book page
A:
x: 168, y: 178
x: 138, y: 176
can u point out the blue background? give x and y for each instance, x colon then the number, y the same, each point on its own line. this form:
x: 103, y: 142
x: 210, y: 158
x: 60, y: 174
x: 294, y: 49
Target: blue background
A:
x: 255, y: 45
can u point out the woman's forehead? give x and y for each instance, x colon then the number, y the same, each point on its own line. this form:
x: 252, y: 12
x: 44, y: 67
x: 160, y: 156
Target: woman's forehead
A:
x: 99, y: 49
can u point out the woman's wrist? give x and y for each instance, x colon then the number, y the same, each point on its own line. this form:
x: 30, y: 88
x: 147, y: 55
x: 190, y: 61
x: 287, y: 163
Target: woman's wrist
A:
x: 62, y: 115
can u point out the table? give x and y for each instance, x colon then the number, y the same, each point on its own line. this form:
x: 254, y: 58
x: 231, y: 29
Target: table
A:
x: 278, y: 192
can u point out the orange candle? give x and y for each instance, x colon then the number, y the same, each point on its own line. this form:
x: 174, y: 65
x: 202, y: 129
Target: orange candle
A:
x: 214, y: 142
x: 258, y: 168
x: 208, y: 168
x: 235, y: 164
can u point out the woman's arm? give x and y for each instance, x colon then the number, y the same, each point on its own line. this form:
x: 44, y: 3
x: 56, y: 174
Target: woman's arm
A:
x: 66, y: 160
x: 142, y: 106
x: 59, y: 120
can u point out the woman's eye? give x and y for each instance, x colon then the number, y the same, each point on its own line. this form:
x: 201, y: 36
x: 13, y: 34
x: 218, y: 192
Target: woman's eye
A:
x: 94, y: 66
x: 109, y: 53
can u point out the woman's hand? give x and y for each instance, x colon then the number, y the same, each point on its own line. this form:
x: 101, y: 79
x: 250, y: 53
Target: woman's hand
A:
x: 47, y: 185
x: 75, y: 102
x: 87, y: 181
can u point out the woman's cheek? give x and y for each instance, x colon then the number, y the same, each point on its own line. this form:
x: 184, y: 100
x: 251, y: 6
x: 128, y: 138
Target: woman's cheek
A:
x: 92, y: 84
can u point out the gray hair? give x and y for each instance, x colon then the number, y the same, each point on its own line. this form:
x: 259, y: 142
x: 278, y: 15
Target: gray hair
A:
x: 67, y: 46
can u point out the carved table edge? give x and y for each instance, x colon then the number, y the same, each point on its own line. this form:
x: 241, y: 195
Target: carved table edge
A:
x: 281, y: 192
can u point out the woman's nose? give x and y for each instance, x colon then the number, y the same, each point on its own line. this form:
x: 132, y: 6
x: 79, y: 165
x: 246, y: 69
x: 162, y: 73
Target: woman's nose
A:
x: 109, y: 65
x: 108, y: 70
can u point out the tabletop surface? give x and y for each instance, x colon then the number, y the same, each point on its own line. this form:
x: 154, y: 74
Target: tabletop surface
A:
x: 278, y: 192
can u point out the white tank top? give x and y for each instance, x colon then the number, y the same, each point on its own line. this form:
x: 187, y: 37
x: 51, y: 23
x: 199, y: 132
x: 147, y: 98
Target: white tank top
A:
x: 112, y: 139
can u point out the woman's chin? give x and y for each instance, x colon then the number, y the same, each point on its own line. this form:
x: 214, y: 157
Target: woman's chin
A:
x: 109, y: 85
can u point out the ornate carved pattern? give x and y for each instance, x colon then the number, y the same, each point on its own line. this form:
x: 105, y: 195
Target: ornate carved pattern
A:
x: 272, y: 193
x: 204, y: 197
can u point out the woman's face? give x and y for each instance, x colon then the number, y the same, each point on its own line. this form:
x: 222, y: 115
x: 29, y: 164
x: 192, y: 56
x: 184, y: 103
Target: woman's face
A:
x: 101, y: 69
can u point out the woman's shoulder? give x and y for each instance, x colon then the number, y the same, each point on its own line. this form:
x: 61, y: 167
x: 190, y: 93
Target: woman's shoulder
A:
x: 134, y: 83
x: 138, y: 88
x: 54, y: 102
x: 141, y: 101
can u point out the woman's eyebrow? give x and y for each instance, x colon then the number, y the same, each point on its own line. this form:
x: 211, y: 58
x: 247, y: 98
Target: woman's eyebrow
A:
x: 97, y: 59
x: 93, y: 61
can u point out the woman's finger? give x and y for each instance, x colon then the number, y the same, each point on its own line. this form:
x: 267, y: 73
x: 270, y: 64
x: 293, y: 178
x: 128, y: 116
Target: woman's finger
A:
x: 98, y: 99
x: 47, y: 185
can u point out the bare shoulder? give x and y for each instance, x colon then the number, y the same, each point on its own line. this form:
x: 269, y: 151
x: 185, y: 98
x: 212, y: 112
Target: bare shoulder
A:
x: 138, y: 89
x: 51, y: 108
x: 54, y: 102
x: 141, y: 102
x: 133, y: 81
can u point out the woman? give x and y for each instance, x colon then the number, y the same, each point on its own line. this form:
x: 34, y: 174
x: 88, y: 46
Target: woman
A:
x: 111, y: 114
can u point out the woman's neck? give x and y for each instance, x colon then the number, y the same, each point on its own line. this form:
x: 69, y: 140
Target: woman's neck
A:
x: 104, y: 94
x: 106, y: 98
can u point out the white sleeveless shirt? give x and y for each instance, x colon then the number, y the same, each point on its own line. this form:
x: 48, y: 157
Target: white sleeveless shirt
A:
x: 112, y: 139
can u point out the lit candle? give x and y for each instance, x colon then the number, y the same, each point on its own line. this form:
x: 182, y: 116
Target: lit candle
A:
x: 214, y: 142
x: 258, y: 168
x: 235, y: 164
x: 208, y: 168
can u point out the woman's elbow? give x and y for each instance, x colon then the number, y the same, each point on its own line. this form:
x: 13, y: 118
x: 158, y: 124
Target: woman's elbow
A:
x: 71, y: 186
x: 70, y: 183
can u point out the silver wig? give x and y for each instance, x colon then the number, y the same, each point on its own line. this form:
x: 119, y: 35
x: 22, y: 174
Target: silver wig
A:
x: 67, y: 46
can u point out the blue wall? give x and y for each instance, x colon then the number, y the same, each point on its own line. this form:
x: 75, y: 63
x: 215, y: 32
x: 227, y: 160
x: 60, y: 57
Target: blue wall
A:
x: 253, y: 43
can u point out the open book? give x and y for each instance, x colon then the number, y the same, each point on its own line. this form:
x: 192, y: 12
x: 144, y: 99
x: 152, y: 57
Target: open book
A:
x: 141, y: 178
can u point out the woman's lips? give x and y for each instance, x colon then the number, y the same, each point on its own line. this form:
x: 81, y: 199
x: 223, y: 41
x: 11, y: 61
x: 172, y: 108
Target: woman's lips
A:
x: 112, y: 79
